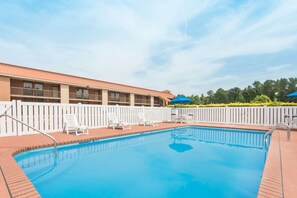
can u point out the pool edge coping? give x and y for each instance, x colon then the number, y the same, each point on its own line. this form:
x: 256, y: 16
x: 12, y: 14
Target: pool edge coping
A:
x: 31, y: 189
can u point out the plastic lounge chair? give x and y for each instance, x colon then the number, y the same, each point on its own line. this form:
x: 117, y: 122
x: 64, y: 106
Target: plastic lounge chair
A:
x: 181, y: 118
x: 71, y: 125
x: 190, y: 117
x: 294, y: 120
x: 144, y: 122
x: 114, y: 122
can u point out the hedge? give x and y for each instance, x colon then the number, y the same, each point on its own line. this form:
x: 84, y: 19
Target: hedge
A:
x: 235, y: 105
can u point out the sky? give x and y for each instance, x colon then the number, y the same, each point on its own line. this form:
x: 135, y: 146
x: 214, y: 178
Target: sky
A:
x: 185, y: 46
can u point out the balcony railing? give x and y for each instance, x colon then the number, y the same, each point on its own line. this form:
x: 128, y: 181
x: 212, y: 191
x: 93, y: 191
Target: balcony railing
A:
x: 120, y: 99
x: 142, y: 101
x: 77, y: 96
x: 158, y: 102
x: 20, y: 91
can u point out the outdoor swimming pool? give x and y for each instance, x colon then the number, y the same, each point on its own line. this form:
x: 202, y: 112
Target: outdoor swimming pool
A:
x: 180, y: 162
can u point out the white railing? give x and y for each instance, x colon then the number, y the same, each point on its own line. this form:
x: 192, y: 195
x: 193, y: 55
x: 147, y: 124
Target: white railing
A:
x: 48, y: 117
x: 259, y: 116
x: 8, y: 127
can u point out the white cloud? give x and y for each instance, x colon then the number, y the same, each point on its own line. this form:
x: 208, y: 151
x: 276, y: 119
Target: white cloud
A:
x: 113, y: 41
x: 277, y: 67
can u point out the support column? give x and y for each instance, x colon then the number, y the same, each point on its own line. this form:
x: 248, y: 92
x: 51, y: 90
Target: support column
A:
x: 132, y: 99
x: 152, y: 101
x: 64, y: 91
x: 4, y: 88
x: 104, y: 97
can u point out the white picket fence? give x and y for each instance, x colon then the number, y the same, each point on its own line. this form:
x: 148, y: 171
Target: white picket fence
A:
x: 260, y: 116
x: 48, y: 117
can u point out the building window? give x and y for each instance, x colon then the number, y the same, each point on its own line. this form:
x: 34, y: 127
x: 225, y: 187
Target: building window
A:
x: 55, y: 91
x: 79, y: 93
x: 82, y: 93
x: 138, y: 98
x: 85, y: 93
x: 96, y: 95
x: 126, y: 97
x: 28, y: 88
x: 38, y: 89
x: 158, y: 101
x: 115, y: 96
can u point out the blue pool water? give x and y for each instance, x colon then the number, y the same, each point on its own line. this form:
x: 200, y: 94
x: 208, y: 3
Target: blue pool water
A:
x: 181, y: 162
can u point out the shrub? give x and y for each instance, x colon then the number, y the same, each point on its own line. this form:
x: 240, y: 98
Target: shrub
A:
x: 261, y: 99
x: 235, y: 105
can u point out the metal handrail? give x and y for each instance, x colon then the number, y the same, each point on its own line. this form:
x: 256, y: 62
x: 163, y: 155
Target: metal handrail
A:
x: 49, y: 171
x: 275, y: 127
x: 47, y: 135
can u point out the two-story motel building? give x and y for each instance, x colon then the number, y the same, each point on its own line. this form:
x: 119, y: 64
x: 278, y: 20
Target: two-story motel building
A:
x: 33, y: 85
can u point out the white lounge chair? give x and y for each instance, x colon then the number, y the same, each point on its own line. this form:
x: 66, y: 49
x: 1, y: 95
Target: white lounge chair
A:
x: 71, y: 125
x: 114, y: 122
x: 294, y: 121
x: 184, y: 118
x: 144, y: 122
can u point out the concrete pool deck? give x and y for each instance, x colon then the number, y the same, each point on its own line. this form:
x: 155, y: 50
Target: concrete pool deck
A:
x: 282, y: 155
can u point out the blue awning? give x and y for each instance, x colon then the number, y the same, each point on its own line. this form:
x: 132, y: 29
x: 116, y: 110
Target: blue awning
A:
x: 181, y: 100
x: 294, y: 94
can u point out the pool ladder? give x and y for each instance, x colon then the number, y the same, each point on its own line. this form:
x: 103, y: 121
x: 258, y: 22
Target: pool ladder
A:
x: 288, y: 125
x: 45, y: 134
x: 274, y: 128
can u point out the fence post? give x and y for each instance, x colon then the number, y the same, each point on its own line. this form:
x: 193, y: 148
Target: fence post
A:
x: 79, y: 113
x: 162, y: 114
x: 265, y: 115
x: 19, y: 116
x: 118, y: 111
x: 13, y: 114
x: 227, y: 115
x: 197, y: 110
x: 142, y: 109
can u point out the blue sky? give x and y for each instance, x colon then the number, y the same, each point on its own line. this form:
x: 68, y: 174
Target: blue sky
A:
x: 186, y: 46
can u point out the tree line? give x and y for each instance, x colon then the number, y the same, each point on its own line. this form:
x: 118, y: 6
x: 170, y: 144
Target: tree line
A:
x: 275, y: 90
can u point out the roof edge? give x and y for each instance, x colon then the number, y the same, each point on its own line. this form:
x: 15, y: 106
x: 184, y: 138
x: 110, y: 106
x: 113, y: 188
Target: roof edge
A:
x: 26, y: 67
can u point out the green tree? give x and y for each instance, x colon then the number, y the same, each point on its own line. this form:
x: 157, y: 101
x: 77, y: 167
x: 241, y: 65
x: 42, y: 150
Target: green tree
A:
x: 248, y: 94
x: 276, y: 90
x: 234, y: 95
x: 281, y: 88
x: 210, y: 94
x: 292, y: 87
x: 196, y: 99
x: 203, y: 99
x: 268, y: 89
x: 258, y: 87
x: 221, y: 96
